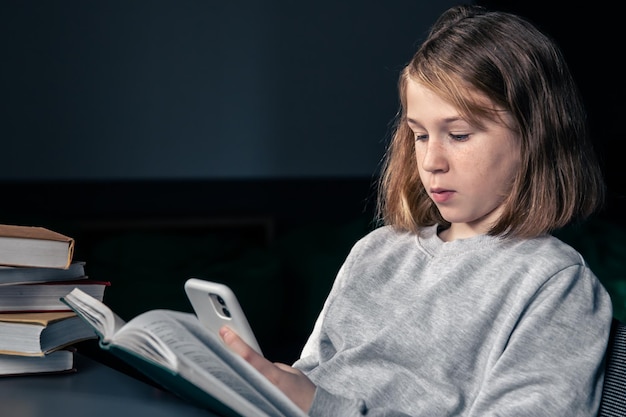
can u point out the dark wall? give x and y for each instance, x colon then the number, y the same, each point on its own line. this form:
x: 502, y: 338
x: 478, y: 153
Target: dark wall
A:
x: 592, y: 38
x: 194, y: 89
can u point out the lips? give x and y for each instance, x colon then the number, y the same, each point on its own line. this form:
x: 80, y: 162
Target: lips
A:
x: 440, y: 195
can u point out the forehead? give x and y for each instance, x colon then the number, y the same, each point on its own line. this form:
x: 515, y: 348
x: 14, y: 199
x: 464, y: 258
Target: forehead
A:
x: 454, y: 98
x: 422, y: 103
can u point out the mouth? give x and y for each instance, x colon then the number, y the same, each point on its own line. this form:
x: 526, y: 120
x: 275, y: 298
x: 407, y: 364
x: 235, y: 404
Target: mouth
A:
x: 440, y: 195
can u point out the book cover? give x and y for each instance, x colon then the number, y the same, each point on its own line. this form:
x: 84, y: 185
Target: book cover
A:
x: 60, y: 361
x: 46, y: 296
x: 40, y: 319
x: 21, y: 275
x: 34, y: 246
x: 37, y: 334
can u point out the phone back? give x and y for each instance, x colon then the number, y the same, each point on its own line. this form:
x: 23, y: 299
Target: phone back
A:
x: 216, y: 305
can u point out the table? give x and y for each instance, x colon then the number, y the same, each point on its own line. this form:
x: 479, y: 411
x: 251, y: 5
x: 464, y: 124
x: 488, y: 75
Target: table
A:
x: 95, y: 390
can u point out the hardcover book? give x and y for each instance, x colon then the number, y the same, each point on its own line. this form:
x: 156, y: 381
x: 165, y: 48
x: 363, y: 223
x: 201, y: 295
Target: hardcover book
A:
x: 37, y: 334
x: 23, y: 275
x: 60, y: 361
x: 45, y: 296
x: 34, y: 246
x: 179, y: 354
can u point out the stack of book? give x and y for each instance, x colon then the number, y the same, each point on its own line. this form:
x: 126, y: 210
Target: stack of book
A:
x: 37, y: 330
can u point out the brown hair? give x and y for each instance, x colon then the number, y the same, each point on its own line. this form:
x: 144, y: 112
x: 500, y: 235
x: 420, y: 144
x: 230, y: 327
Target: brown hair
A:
x: 521, y: 70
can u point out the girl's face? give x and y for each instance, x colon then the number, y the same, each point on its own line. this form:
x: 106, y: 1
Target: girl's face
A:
x: 466, y: 170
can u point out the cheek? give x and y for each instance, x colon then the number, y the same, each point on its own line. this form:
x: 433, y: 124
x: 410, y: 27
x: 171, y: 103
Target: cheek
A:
x: 496, y: 170
x: 505, y: 173
x: 419, y: 158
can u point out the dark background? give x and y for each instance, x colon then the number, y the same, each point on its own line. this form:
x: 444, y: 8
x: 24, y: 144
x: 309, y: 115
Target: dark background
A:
x: 238, y: 141
x: 194, y: 89
x: 592, y: 38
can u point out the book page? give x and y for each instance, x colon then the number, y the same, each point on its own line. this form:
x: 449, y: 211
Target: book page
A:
x: 172, y: 343
x: 241, y: 367
x: 104, y: 321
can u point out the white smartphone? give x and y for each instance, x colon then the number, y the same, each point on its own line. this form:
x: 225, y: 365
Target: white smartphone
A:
x: 216, y: 305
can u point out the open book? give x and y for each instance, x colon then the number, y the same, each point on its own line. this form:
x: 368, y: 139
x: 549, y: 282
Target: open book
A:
x: 178, y: 353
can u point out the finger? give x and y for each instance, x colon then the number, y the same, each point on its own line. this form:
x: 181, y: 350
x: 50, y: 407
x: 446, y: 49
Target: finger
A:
x: 287, y: 368
x: 237, y: 344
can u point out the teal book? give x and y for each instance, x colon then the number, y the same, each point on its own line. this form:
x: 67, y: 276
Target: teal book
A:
x: 174, y: 350
x: 24, y: 275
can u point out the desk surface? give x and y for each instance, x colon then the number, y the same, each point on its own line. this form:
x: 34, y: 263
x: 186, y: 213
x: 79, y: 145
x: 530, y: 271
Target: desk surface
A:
x: 95, y: 390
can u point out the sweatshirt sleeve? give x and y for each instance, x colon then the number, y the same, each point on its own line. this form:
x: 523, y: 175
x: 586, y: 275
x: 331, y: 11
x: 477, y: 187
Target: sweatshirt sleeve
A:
x: 553, y: 361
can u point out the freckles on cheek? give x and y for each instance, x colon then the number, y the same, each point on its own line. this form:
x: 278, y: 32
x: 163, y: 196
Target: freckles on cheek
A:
x: 423, y: 175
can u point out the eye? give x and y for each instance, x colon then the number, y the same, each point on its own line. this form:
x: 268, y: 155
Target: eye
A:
x: 419, y: 137
x: 459, y: 137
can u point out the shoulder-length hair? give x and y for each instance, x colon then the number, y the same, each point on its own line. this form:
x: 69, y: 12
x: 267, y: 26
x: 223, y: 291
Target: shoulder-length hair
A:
x: 472, y: 52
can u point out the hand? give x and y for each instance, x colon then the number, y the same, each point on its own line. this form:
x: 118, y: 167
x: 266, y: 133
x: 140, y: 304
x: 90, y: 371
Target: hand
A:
x: 297, y: 386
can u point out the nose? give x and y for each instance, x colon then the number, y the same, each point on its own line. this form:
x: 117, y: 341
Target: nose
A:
x: 432, y: 156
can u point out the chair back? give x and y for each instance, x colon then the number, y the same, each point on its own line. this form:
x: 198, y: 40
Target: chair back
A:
x: 613, y: 402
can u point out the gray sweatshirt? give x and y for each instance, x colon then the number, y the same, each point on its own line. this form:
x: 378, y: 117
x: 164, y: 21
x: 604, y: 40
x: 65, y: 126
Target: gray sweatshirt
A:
x: 484, y: 326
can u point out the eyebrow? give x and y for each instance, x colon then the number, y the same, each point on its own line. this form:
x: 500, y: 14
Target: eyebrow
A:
x: 446, y: 120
